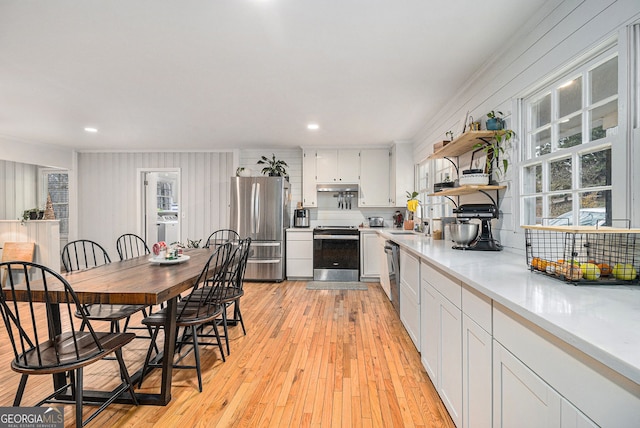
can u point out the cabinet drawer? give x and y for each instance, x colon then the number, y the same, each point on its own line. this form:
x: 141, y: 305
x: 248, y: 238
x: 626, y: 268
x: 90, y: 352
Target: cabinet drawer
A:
x: 306, y: 235
x: 477, y: 307
x: 410, y: 273
x: 448, y: 287
x: 299, y: 249
x: 300, y: 268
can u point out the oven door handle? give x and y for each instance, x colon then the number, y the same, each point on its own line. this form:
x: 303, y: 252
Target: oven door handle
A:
x: 338, y: 237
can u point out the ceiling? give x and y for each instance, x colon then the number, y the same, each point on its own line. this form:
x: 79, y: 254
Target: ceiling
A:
x: 223, y: 74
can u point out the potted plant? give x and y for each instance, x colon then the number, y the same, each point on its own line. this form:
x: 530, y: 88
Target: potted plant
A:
x: 274, y: 167
x: 412, y: 206
x: 495, y: 121
x: 494, y: 149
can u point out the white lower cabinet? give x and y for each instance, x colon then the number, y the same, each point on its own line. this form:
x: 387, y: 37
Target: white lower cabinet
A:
x: 521, y: 399
x: 410, y: 295
x: 300, y: 254
x: 441, y: 343
x: 371, y: 247
x: 476, y: 375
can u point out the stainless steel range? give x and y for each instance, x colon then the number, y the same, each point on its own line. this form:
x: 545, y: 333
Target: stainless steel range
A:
x: 336, y: 253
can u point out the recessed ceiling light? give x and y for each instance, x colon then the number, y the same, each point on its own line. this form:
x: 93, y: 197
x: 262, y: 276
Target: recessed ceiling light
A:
x: 313, y: 127
x: 89, y: 129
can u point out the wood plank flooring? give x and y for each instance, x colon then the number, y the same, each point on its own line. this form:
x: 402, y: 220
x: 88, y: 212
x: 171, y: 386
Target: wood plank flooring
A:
x: 311, y: 358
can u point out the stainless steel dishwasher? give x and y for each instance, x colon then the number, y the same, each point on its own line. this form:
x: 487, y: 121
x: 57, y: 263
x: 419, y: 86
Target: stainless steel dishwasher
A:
x: 393, y: 260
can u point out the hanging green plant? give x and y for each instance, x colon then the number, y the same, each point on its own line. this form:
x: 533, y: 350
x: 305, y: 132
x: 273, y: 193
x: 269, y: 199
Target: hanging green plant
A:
x: 495, y: 150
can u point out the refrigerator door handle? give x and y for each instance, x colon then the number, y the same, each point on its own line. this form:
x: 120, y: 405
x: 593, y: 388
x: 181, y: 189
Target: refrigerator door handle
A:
x: 257, y: 210
x: 252, y: 219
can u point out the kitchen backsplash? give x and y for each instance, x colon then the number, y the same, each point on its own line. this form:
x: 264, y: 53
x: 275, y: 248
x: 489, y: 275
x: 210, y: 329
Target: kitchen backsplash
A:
x: 329, y: 214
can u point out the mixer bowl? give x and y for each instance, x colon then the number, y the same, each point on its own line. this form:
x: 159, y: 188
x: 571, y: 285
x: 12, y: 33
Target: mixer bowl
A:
x: 464, y: 233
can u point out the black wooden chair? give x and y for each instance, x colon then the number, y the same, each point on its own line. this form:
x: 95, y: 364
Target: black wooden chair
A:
x: 42, y: 348
x: 221, y: 236
x: 130, y: 245
x: 85, y: 254
x: 193, y: 310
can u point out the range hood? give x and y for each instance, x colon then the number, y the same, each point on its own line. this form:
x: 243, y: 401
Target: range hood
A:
x: 337, y: 187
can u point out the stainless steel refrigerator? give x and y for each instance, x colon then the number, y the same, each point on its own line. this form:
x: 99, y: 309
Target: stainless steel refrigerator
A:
x: 260, y: 210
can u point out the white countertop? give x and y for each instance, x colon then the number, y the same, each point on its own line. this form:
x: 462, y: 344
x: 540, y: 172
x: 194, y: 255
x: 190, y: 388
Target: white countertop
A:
x: 601, y: 321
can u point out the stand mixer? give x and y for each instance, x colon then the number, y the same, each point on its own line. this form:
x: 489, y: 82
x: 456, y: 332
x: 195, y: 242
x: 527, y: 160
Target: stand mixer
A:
x: 484, y: 212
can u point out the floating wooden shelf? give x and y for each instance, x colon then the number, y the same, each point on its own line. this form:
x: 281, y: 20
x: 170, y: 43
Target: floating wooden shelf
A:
x: 466, y: 190
x: 463, y: 144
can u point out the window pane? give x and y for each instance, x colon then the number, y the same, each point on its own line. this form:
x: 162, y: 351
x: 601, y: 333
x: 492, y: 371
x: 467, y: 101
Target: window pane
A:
x: 570, y: 97
x: 604, y: 80
x: 532, y: 179
x: 560, y: 209
x: 533, y: 210
x: 560, y: 174
x: 593, y: 208
x: 570, y: 132
x: 604, y: 118
x: 541, y: 112
x: 541, y: 141
x: 595, y: 169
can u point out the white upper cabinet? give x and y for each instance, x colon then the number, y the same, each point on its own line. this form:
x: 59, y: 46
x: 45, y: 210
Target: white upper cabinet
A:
x: 374, y: 178
x: 402, y: 173
x: 309, y: 194
x: 338, y: 166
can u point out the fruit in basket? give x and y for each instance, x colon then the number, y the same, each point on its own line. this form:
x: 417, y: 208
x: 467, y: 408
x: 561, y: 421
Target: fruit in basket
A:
x: 605, y: 269
x: 551, y: 268
x: 534, y: 262
x: 625, y: 272
x: 590, y: 271
x: 570, y: 271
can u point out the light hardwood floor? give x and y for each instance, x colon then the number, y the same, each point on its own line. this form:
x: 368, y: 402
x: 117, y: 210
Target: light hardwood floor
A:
x: 310, y: 358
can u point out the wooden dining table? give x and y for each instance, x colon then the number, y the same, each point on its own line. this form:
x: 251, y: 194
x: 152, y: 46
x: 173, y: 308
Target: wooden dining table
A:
x: 136, y: 281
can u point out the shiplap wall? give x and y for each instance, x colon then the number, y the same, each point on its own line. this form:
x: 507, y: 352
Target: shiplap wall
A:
x: 107, y: 193
x: 18, y: 190
x: 558, y: 35
x: 293, y: 158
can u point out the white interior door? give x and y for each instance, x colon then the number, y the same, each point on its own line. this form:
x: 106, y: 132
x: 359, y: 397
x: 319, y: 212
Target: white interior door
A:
x: 160, y: 209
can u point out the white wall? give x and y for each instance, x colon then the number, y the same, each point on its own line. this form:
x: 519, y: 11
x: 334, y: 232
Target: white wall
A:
x: 107, y: 193
x: 18, y: 189
x: 293, y: 158
x: 558, y: 35
x: 35, y: 154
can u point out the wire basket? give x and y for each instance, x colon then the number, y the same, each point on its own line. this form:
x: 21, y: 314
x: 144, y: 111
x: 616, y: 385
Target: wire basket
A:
x: 584, y: 255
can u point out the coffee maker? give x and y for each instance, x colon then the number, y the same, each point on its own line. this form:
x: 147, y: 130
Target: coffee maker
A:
x: 301, y: 217
x: 398, y: 219
x: 486, y: 213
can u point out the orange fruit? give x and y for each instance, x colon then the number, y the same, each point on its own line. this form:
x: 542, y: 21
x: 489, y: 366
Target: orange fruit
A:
x: 542, y: 265
x: 535, y: 262
x: 605, y: 269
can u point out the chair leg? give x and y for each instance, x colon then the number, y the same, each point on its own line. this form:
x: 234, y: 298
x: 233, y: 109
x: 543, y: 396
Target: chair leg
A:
x: 215, y: 330
x: 238, y: 315
x: 79, y: 388
x: 125, y: 375
x: 196, y: 354
x: 148, y: 357
x: 225, y: 328
x: 20, y: 392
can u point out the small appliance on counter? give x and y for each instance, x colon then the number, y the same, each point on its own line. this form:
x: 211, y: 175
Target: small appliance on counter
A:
x: 484, y: 212
x: 301, y: 217
x: 376, y: 222
x: 398, y: 219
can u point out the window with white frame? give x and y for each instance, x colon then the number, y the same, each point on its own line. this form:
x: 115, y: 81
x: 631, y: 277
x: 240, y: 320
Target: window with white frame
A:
x: 571, y: 127
x: 55, y: 183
